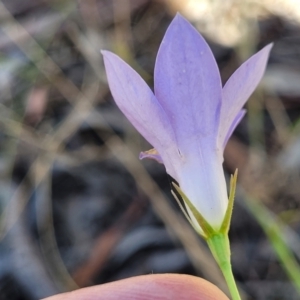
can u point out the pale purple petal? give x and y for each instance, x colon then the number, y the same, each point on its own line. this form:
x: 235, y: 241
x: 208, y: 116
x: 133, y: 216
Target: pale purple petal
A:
x: 232, y: 127
x: 187, y: 84
x: 152, y: 154
x: 203, y: 182
x: 239, y: 88
x: 136, y: 100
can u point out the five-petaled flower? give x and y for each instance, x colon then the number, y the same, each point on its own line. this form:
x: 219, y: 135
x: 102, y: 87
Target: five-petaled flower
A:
x: 189, y: 117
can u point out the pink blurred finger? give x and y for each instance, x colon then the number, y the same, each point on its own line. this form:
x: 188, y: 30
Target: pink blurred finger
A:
x: 159, y: 287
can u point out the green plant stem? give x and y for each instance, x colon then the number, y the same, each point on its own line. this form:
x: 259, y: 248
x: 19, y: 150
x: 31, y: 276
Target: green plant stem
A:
x: 220, y: 248
x: 274, y: 230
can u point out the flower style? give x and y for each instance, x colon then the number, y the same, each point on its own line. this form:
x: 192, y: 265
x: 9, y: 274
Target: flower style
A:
x: 189, y: 117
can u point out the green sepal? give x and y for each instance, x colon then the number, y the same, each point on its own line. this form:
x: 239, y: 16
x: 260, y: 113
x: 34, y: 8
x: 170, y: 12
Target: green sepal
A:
x: 227, y: 218
x: 205, y: 226
x: 187, y: 216
x: 208, y: 230
x: 217, y: 239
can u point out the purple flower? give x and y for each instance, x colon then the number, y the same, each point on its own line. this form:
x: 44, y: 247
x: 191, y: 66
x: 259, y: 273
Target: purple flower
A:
x: 189, y: 117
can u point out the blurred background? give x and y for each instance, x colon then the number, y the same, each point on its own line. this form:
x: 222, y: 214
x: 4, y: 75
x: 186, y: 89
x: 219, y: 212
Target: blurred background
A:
x: 77, y: 206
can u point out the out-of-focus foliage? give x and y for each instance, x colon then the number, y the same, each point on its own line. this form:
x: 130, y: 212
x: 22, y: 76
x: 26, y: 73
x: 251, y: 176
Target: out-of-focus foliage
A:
x: 77, y: 206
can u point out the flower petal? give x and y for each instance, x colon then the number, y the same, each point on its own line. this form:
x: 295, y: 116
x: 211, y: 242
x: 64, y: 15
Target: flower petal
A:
x: 239, y: 87
x: 187, y: 83
x: 203, y: 182
x: 232, y: 127
x: 136, y: 100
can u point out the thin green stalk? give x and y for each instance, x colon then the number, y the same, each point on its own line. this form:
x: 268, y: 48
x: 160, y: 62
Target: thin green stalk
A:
x: 273, y: 228
x: 220, y: 248
x: 227, y: 272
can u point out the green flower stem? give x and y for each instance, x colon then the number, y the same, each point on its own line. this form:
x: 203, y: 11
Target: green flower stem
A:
x: 220, y: 248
